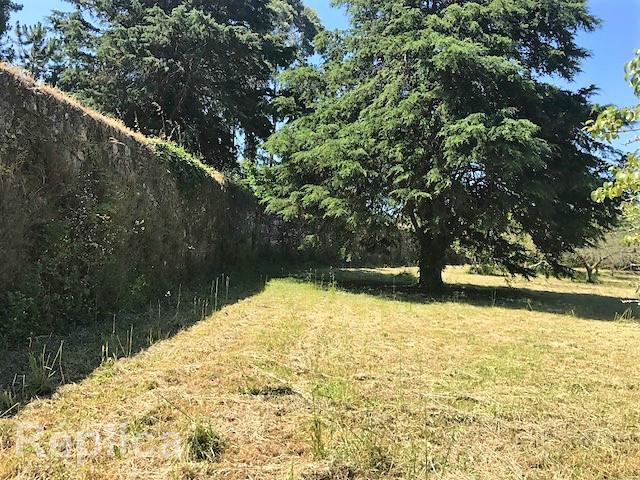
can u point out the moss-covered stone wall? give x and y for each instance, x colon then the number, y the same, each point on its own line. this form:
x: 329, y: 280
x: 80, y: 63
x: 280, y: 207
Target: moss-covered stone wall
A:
x: 95, y: 218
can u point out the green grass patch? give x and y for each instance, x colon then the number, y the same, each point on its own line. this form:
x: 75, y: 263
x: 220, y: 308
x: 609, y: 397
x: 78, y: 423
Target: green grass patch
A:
x: 204, y: 444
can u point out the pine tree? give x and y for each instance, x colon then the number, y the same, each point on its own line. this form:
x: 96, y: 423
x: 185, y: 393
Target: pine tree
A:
x: 37, y: 53
x: 437, y: 115
x: 196, y: 71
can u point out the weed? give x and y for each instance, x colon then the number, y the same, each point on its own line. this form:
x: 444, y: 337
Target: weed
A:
x: 6, y: 435
x: 626, y: 316
x: 8, y: 402
x: 144, y: 423
x: 113, y: 348
x: 335, y: 389
x: 364, y: 442
x: 378, y: 458
x: 316, y: 433
x: 335, y: 471
x: 204, y: 444
x: 43, y: 371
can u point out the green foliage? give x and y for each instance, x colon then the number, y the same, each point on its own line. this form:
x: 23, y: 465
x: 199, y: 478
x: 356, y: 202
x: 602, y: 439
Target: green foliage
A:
x: 8, y: 401
x: 7, y: 7
x: 435, y: 115
x: 43, y: 375
x: 190, y: 173
x: 99, y: 249
x: 316, y: 433
x: 104, y: 238
x: 37, y: 53
x: 610, y: 124
x: 75, y: 244
x: 43, y: 372
x: 204, y: 444
x: 195, y: 72
x: 485, y: 268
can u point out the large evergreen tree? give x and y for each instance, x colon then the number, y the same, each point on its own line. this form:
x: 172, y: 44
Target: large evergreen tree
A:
x: 437, y: 115
x: 195, y: 70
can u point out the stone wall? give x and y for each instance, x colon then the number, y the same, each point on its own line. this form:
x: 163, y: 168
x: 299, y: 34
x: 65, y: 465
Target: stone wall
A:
x: 96, y: 218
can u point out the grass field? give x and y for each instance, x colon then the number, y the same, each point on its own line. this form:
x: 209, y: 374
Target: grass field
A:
x: 349, y: 374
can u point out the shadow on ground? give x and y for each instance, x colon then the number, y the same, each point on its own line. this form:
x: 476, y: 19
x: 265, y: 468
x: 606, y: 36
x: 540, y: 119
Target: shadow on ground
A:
x: 37, y: 366
x: 402, y: 287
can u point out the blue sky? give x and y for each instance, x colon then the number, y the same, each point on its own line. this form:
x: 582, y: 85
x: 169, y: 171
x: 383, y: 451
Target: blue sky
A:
x: 612, y: 45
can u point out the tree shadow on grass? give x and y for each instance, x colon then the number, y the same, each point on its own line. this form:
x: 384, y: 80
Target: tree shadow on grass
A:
x: 37, y: 366
x: 588, y: 306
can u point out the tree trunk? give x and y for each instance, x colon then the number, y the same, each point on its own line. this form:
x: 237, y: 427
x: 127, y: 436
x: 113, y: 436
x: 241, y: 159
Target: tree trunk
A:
x: 431, y: 263
x: 590, y: 278
x: 250, y: 148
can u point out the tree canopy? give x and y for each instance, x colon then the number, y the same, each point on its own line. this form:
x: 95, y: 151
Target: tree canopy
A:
x: 438, y: 116
x: 610, y: 125
x: 196, y: 71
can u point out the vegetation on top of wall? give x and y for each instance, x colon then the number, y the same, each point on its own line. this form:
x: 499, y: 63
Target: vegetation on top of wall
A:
x: 190, y: 172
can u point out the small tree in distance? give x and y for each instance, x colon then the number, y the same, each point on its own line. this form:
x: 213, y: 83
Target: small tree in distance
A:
x: 613, y: 252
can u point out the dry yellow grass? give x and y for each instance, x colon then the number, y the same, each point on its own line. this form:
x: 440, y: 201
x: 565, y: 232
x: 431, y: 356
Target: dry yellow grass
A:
x: 316, y: 382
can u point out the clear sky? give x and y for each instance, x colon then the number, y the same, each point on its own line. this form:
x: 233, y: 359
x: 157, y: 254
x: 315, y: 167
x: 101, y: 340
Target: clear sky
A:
x: 612, y: 45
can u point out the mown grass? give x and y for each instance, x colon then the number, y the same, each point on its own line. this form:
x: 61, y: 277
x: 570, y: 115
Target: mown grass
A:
x: 360, y: 377
x: 38, y: 365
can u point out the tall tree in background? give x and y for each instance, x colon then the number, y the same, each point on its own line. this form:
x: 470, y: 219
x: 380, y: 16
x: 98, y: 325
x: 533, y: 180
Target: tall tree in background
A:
x: 7, y: 7
x: 610, y: 124
x: 193, y: 70
x: 435, y: 114
x: 36, y: 52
